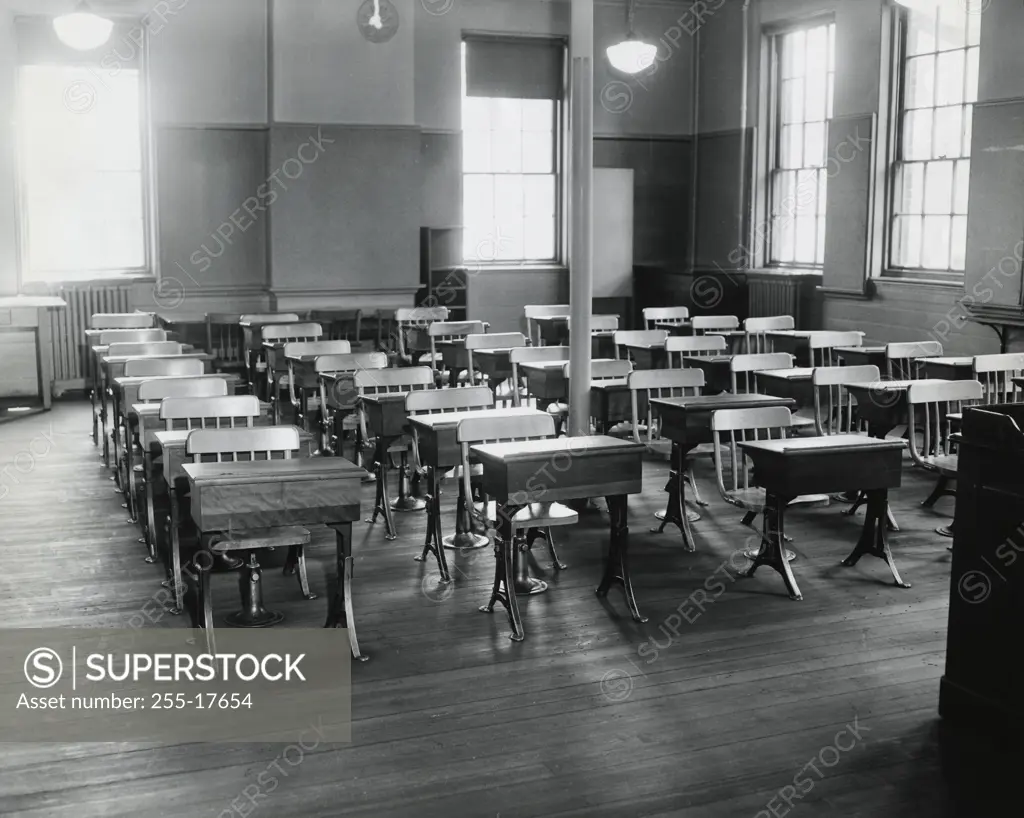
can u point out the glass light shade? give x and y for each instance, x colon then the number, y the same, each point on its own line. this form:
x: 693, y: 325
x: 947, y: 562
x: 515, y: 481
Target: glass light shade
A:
x: 83, y: 30
x: 632, y: 56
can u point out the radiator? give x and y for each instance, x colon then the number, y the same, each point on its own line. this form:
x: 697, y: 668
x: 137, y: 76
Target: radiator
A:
x: 72, y: 366
x: 773, y: 296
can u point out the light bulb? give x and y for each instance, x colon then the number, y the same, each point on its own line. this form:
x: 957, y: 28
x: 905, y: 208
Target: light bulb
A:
x: 632, y: 56
x: 82, y: 30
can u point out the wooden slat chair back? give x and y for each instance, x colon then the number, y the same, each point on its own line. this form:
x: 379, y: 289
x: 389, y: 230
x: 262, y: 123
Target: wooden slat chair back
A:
x: 385, y: 381
x: 122, y: 320
x: 432, y: 401
x: 744, y: 369
x: 269, y: 318
x: 676, y: 316
x: 491, y: 340
x: 541, y: 515
x: 901, y: 358
x: 342, y: 392
x: 701, y: 346
x: 536, y: 354
x: 757, y: 340
x: 149, y: 348
x: 131, y: 336
x: 225, y: 411
x: 241, y: 444
x: 158, y: 390
x: 449, y: 332
x: 833, y: 404
x: 338, y: 347
x: 623, y: 337
x: 287, y: 333
x: 602, y: 324
x: 821, y: 346
x: 532, y: 311
x: 930, y: 404
x: 605, y: 370
x: 419, y: 318
x: 225, y: 339
x: 163, y: 367
x: 996, y: 374
x: 659, y: 383
x: 705, y: 324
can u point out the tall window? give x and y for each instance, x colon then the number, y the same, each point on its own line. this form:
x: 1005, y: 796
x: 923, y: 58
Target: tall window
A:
x: 81, y: 167
x: 937, y: 84
x: 802, y: 78
x: 510, y: 115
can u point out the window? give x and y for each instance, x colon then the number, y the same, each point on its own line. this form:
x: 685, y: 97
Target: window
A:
x: 80, y: 144
x: 804, y: 67
x: 937, y: 84
x: 510, y: 166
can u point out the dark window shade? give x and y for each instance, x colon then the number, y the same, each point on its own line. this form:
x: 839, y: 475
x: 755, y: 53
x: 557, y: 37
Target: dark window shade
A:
x: 514, y: 69
x: 38, y: 44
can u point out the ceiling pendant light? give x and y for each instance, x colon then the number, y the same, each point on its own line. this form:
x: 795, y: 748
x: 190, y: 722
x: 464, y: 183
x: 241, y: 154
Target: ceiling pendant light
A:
x: 82, y: 30
x: 632, y: 55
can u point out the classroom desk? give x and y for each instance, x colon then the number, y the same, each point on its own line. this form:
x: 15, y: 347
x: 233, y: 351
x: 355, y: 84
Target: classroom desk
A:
x: 883, y: 404
x: 583, y: 467
x: 957, y: 368
x: 252, y: 342
x: 796, y: 342
x: 26, y: 354
x: 789, y: 468
x: 495, y: 364
x: 647, y: 356
x: 439, y: 450
x: 611, y: 403
x: 717, y: 371
x: 261, y: 494
x: 546, y: 381
x: 388, y: 421
x: 863, y: 356
x: 793, y: 383
x: 674, y: 327
x: 454, y: 358
x: 686, y: 422
x: 554, y: 331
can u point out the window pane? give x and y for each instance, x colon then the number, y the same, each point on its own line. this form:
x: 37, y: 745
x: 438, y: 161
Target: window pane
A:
x: 963, y: 185
x: 478, y: 198
x: 832, y: 47
x: 508, y: 199
x: 822, y: 192
x: 917, y: 134
x: 792, y: 146
x: 958, y: 244
x: 793, y: 100
x: 476, y: 114
x: 907, y: 241
x: 793, y: 54
x: 784, y: 239
x: 507, y: 151
x: 817, y: 96
x: 920, y: 88
x: 935, y: 248
x: 953, y: 26
x: 539, y: 197
x: 538, y: 152
x: 920, y: 33
x: 971, y: 81
x: 506, y: 115
x: 806, y: 241
x: 538, y: 115
x: 949, y: 82
x: 540, y: 239
x: 938, y: 187
x: 973, y: 29
x: 949, y: 132
x: 814, y: 145
x: 509, y: 241
x: 806, y: 193
x: 910, y: 183
x: 968, y: 129
x: 820, y: 250
x: 476, y: 151
x: 784, y: 195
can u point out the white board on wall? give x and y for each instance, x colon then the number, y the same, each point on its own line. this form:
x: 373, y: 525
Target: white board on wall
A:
x: 613, y: 232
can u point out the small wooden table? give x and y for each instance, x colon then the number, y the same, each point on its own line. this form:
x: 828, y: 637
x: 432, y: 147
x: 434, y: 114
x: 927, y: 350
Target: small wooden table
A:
x: 831, y: 464
x: 793, y: 383
x: 796, y: 342
x: 270, y: 493
x: 863, y: 356
x: 611, y: 403
x: 686, y: 422
x: 955, y: 368
x: 674, y: 327
x: 546, y: 380
x: 496, y: 364
x: 436, y: 440
x: 581, y: 467
x: 252, y: 340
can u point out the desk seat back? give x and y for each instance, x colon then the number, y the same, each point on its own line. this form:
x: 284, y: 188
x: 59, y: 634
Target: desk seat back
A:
x: 318, y: 348
x: 350, y: 362
x: 996, y: 373
x: 283, y: 333
x: 625, y: 337
x: 205, y: 412
x: 660, y: 383
x: 258, y: 443
x: 730, y: 427
x: 495, y: 340
x: 601, y: 324
x: 822, y: 344
x: 744, y: 368
x: 702, y: 346
x: 604, y: 370
x: 704, y: 324
x: 150, y: 391
x: 532, y: 311
x: 498, y: 430
x: 402, y: 379
x: 131, y: 336
x: 162, y: 367
x: 537, y: 354
x: 901, y: 358
x: 146, y: 348
x: 931, y: 402
x: 833, y: 404
x: 122, y: 320
x: 757, y: 339
x: 428, y: 401
x: 665, y: 315
x: 269, y: 318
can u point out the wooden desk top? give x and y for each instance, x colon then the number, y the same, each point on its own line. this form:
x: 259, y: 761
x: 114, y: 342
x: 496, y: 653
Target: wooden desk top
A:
x: 272, y: 471
x: 495, y: 351
x: 120, y: 359
x: 610, y: 385
x: 957, y: 360
x: 551, y: 319
x: 649, y: 345
x: 711, y: 403
x: 709, y: 359
x: 822, y: 445
x: 152, y: 409
x: 588, y: 445
x: 865, y: 350
x: 559, y: 365
x: 799, y: 373
x: 1019, y: 380
x: 176, y: 438
x: 134, y: 380
x: 440, y: 420
x: 268, y: 320
x: 387, y: 397
x: 892, y: 386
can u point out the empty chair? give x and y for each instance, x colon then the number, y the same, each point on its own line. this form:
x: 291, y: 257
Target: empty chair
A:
x: 653, y: 338
x: 275, y: 338
x: 411, y: 325
x: 533, y: 311
x: 300, y: 386
x: 229, y: 445
x: 335, y: 376
x: 225, y: 340
x: 821, y: 345
x: 744, y: 369
x: 901, y: 359
x: 730, y: 427
x: 707, y: 324
x: 701, y: 346
x: 230, y: 411
x: 834, y: 406
x: 996, y: 374
x: 122, y: 320
x: 490, y: 340
x: 655, y: 317
x: 600, y: 370
x: 526, y: 355
x: 757, y: 339
x: 929, y: 407
x: 450, y: 332
x: 530, y: 520
x: 602, y: 334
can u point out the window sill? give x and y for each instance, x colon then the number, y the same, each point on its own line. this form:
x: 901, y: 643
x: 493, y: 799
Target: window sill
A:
x: 513, y: 267
x: 922, y: 279
x: 137, y: 277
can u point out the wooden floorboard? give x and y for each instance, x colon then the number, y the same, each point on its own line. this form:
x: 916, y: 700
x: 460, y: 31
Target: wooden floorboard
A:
x: 594, y: 715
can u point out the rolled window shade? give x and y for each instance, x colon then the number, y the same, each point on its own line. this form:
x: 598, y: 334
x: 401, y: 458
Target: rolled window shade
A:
x: 514, y: 68
x: 38, y: 44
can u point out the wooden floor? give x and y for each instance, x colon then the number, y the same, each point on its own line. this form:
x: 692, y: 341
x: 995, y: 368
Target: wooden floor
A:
x: 594, y: 715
